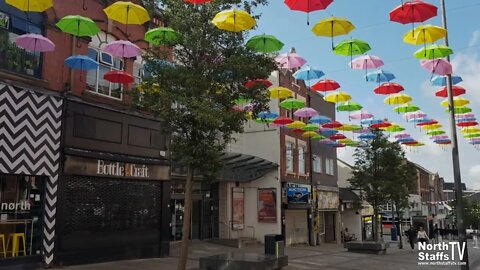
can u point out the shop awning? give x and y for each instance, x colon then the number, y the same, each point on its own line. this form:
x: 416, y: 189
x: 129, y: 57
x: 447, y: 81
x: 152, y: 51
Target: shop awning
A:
x: 347, y: 195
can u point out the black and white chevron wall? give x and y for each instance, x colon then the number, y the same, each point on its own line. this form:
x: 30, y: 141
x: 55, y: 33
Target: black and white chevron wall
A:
x: 30, y: 132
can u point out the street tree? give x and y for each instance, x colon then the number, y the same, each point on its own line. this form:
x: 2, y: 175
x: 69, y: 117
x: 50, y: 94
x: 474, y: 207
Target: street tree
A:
x: 472, y: 212
x: 192, y: 85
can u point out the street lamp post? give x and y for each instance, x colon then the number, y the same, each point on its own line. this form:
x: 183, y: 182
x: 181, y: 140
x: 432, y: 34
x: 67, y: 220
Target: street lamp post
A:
x: 462, y: 234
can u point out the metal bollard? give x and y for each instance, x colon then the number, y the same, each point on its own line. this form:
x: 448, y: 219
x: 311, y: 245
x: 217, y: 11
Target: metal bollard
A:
x: 475, y: 241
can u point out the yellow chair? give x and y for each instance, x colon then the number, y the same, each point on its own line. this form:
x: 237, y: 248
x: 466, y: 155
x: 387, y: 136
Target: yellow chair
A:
x: 4, y: 250
x: 16, y: 237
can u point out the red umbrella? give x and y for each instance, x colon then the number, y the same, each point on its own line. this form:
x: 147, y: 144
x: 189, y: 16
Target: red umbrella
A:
x: 258, y: 82
x: 118, y: 76
x: 467, y: 124
x: 198, y: 1
x: 332, y: 124
x: 444, y: 142
x: 298, y: 130
x: 388, y: 88
x: 384, y: 124
x: 413, y: 11
x: 325, y: 85
x: 308, y: 5
x: 456, y: 90
x: 427, y: 123
x: 282, y: 120
x: 410, y: 143
x: 337, y: 136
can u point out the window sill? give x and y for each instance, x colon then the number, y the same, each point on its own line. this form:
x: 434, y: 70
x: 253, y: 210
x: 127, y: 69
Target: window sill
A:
x: 107, y: 97
x: 22, y: 78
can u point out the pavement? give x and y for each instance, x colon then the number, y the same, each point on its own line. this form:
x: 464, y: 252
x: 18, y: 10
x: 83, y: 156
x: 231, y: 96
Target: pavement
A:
x: 325, y: 256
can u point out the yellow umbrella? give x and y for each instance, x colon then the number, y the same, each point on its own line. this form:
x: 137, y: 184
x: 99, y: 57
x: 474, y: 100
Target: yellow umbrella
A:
x: 309, y: 134
x: 31, y: 5
x: 348, y: 127
x: 467, y: 130
x: 296, y: 124
x: 432, y: 126
x: 345, y: 141
x: 127, y: 13
x: 396, y: 99
x: 416, y: 145
x: 457, y: 101
x: 280, y: 92
x: 332, y: 27
x: 336, y: 97
x: 234, y: 20
x: 424, y: 34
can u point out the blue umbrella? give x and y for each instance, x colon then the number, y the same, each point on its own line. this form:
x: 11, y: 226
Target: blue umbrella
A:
x: 419, y: 120
x: 408, y: 139
x: 370, y: 121
x: 320, y: 119
x: 379, y: 76
x: 267, y: 115
x: 366, y: 136
x: 474, y: 142
x: 442, y: 141
x: 468, y: 119
x: 308, y: 73
x: 328, y: 131
x: 442, y: 80
x: 81, y: 62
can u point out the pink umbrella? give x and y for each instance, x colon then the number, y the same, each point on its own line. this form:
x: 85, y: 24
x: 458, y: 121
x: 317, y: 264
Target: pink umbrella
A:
x: 440, y: 137
x: 464, y: 115
x: 35, y: 43
x: 361, y: 115
x: 122, y: 48
x: 305, y: 112
x: 437, y: 66
x: 363, y: 130
x: 402, y: 135
x: 413, y: 115
x: 366, y: 62
x: 290, y: 61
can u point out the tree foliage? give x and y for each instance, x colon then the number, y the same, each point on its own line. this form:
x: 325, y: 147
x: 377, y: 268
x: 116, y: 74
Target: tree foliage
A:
x: 472, y: 213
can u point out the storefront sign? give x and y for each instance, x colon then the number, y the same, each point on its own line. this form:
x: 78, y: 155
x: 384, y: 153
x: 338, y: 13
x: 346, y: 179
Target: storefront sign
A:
x: 267, y: 205
x: 15, y: 206
x: 238, y: 208
x: 4, y: 20
x: 298, y: 193
x: 327, y: 200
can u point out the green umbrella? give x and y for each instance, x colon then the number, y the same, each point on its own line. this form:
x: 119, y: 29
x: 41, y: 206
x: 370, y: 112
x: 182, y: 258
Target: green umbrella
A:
x: 264, y: 43
x: 292, y: 103
x: 311, y: 127
x: 394, y: 129
x: 355, y: 127
x: 318, y: 137
x: 433, y: 51
x: 162, y: 35
x: 78, y: 26
x: 349, y: 106
x: 435, y: 132
x: 351, y: 47
x: 460, y: 109
x: 405, y: 108
x: 471, y: 135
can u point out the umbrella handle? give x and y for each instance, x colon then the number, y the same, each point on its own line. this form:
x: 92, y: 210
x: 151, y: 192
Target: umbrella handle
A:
x: 84, y: 6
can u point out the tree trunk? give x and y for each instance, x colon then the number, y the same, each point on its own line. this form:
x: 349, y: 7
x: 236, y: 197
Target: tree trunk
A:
x: 400, y: 243
x: 187, y: 216
x: 375, y: 224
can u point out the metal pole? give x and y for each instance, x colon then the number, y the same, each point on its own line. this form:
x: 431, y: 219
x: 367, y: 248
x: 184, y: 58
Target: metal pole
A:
x: 462, y: 234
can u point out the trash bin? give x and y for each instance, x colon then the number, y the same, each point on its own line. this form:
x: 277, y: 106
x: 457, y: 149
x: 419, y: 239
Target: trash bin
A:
x: 393, y: 233
x: 274, y: 244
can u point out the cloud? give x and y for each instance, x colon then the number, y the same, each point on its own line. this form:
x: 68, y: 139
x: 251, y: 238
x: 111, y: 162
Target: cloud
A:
x: 474, y: 174
x: 474, y: 39
x: 467, y: 65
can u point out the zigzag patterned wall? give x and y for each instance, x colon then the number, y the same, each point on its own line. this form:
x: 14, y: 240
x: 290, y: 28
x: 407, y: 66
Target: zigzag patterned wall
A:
x: 30, y: 132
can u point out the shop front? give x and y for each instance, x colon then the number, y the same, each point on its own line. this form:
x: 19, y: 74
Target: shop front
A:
x: 297, y: 213
x: 328, y: 220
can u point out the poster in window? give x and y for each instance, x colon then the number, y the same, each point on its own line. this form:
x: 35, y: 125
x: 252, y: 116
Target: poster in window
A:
x: 267, y: 205
x: 4, y: 20
x: 238, y: 208
x: 298, y: 193
x: 327, y: 199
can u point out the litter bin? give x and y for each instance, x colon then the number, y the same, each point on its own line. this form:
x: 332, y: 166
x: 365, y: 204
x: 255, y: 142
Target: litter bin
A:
x: 274, y: 244
x: 393, y: 233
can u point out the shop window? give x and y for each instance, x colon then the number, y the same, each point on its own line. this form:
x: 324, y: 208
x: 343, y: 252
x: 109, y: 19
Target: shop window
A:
x: 329, y: 166
x: 301, y: 160
x: 289, y: 157
x: 137, y: 73
x: 21, y: 208
x: 106, y: 63
x: 317, y: 164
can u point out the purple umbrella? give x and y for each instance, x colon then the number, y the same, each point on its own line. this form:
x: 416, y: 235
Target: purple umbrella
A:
x: 413, y: 115
x: 440, y: 137
x: 366, y: 62
x: 361, y: 115
x: 290, y: 61
x: 122, y: 48
x: 305, y: 112
x: 35, y: 43
x: 362, y: 131
x: 437, y: 66
x: 402, y: 135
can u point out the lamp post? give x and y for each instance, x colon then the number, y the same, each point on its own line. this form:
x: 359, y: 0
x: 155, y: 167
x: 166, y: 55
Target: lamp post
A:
x: 462, y: 234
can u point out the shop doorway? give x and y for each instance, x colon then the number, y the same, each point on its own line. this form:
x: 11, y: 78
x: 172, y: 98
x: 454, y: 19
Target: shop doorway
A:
x: 178, y: 207
x: 296, y: 227
x: 330, y: 227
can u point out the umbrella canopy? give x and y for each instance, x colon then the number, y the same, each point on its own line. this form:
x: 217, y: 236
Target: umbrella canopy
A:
x: 431, y: 127
x: 196, y: 2
x: 308, y: 73
x: 310, y: 127
x: 347, y: 127
x: 282, y: 120
x: 424, y: 34
x: 383, y: 124
x: 405, y: 108
x: 397, y: 99
x: 427, y: 122
x: 379, y: 76
x: 318, y: 137
x: 367, y: 136
x: 405, y: 139
x: 292, y: 103
x: 290, y: 60
x: 435, y: 132
x: 366, y: 62
x: 362, y: 130
x: 456, y: 91
x: 457, y: 101
x: 413, y: 11
x: 118, y: 76
x: 414, y: 115
x: 464, y: 115
x: 122, y: 48
x: 332, y: 27
x: 258, y: 83
x: 328, y: 131
x: 296, y: 125
x: 35, y: 43
x: 394, y: 128
x: 264, y: 43
x: 266, y: 114
x: 472, y: 135
x: 402, y: 135
x: 280, y: 92
x: 325, y: 85
x: 305, y: 112
x: 31, y: 5
x: 127, y: 13
x: 433, y: 51
x: 319, y: 119
x: 351, y: 47
x: 460, y: 109
x: 442, y: 80
x: 437, y: 66
x: 361, y: 115
x: 338, y: 136
x: 388, y: 88
x: 234, y: 20
x: 467, y: 124
x: 81, y: 62
x: 371, y: 121
x: 336, y: 97
x: 349, y: 106
x: 332, y: 124
x: 469, y: 130
x: 162, y: 35
x: 309, y: 134
x: 78, y: 26
x: 308, y: 6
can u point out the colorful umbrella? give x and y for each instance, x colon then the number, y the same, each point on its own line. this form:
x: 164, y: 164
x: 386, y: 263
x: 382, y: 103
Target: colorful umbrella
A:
x: 332, y: 124
x: 467, y: 124
x: 118, y: 76
x: 457, y: 101
x: 122, y: 48
x: 437, y: 66
x: 435, y: 132
x: 431, y: 127
x: 406, y: 139
x: 264, y: 120
x: 456, y: 91
x: 308, y: 73
x: 361, y: 115
x: 438, y: 137
x: 427, y: 122
x: 305, y: 112
x: 264, y: 43
x: 397, y: 99
x: 471, y: 135
x: 234, y: 20
x: 442, y: 80
x: 325, y: 85
x: 351, y: 47
x: 258, y: 83
x: 328, y: 131
x: 35, y: 43
x: 433, y: 51
x: 78, y: 26
x: 465, y: 119
x: 379, y: 76
x: 290, y: 61
x: 336, y: 97
x: 282, y: 120
x: 332, y: 27
x: 402, y: 135
x: 196, y: 2
x: 383, y: 124
x: 296, y: 125
x: 309, y: 134
x: 388, y: 88
x: 280, y: 92
x: 442, y: 141
x: 31, y: 5
x: 366, y: 62
x: 338, y: 136
x: 367, y: 136
x: 292, y: 103
x: 81, y: 62
x: 310, y: 127
x: 362, y: 130
x: 267, y: 115
x: 370, y: 121
x: 162, y: 35
x: 319, y: 119
x: 460, y: 109
x: 127, y: 13
x: 405, y: 108
x: 318, y: 137
x: 394, y: 128
x: 469, y: 130
x: 464, y: 115
x: 413, y: 11
x: 347, y: 127
x: 349, y: 106
x: 414, y: 115
x: 308, y: 6
x: 424, y: 34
